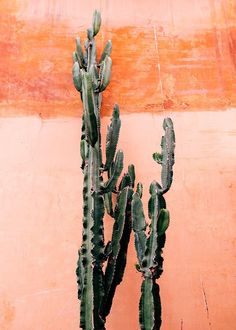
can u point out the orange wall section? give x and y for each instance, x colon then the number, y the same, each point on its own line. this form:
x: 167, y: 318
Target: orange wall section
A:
x: 170, y: 58
x: 184, y: 51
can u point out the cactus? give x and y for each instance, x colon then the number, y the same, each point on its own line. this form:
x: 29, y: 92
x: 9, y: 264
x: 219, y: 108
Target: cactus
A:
x: 96, y: 285
x: 149, y: 248
x: 101, y: 265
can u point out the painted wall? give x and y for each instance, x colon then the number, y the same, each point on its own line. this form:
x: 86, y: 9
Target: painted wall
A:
x: 171, y: 58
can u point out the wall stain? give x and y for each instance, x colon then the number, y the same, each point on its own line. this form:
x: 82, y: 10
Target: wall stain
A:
x: 7, y: 314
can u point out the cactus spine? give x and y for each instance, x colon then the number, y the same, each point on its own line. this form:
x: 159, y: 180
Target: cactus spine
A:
x: 96, y: 286
x: 149, y: 248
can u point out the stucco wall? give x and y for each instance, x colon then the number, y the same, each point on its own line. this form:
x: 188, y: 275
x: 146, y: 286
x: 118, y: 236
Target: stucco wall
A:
x: 171, y: 58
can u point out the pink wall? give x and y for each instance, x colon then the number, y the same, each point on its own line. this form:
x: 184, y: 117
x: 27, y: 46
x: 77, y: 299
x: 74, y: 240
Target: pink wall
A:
x: 41, y: 186
x: 171, y: 58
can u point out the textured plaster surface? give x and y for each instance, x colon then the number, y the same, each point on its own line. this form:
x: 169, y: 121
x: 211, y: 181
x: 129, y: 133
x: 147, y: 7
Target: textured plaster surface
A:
x: 178, y: 55
x: 40, y: 226
x: 170, y: 58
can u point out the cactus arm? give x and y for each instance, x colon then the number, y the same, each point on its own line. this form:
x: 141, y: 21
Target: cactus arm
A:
x: 83, y: 151
x: 74, y: 57
x: 107, y: 250
x: 105, y: 73
x: 168, y: 155
x: 107, y: 51
x: 90, y: 34
x: 124, y: 241
x: 163, y: 221
x: 155, y: 198
x: 92, y: 53
x: 159, y: 224
x: 89, y: 110
x: 118, y: 167
x: 90, y: 47
x: 108, y: 203
x: 96, y: 22
x: 157, y: 157
x: 86, y: 46
x: 151, y: 266
x: 159, y: 259
x: 139, y: 189
x: 119, y: 244
x: 79, y: 53
x: 77, y: 78
x: 166, y: 158
x: 110, y: 170
x: 150, y: 305
x: 97, y: 98
x: 117, y: 233
x: 139, y: 226
x: 112, y: 136
x: 131, y: 171
x: 151, y: 247
x: 94, y: 74
x: 125, y: 182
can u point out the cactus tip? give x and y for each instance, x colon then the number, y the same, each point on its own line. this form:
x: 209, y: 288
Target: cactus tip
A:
x: 96, y: 22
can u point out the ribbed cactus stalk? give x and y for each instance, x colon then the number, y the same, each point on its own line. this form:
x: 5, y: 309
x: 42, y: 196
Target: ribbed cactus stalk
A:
x: 100, y: 266
x: 149, y: 247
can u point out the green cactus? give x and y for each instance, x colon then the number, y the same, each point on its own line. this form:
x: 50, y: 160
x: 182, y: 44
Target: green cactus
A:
x: 149, y: 248
x: 101, y: 266
x: 96, y: 285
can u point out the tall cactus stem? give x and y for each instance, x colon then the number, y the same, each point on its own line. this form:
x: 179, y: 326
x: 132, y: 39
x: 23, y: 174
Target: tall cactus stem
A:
x: 96, y: 288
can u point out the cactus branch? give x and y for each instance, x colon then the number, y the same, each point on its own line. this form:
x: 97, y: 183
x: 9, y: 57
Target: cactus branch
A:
x: 150, y: 248
x: 119, y: 244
